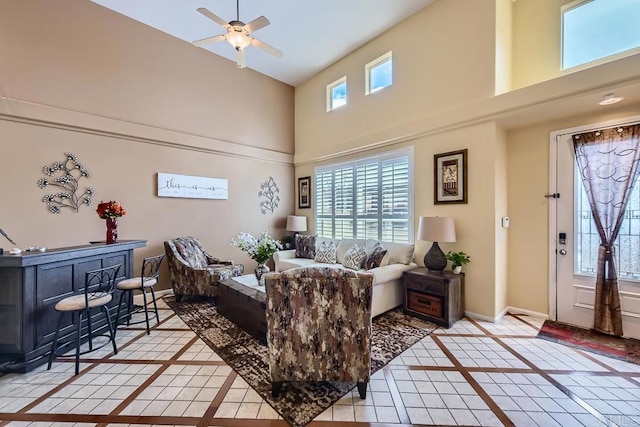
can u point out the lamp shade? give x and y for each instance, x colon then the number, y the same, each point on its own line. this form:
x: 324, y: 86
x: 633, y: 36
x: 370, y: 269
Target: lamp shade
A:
x: 296, y: 223
x: 437, y: 229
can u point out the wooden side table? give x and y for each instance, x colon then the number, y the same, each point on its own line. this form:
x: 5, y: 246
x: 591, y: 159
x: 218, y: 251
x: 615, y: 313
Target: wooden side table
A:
x: 432, y: 296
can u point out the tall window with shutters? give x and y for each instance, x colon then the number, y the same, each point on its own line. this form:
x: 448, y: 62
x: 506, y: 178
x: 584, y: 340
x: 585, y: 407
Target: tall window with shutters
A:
x: 369, y: 198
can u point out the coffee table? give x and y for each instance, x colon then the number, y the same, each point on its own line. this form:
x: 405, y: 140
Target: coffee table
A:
x: 241, y: 300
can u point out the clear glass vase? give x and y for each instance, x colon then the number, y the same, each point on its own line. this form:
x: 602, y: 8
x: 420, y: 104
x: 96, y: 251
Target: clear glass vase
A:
x: 260, y: 271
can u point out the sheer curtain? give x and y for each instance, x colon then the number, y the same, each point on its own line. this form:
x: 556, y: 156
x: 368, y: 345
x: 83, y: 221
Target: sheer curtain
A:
x: 608, y: 161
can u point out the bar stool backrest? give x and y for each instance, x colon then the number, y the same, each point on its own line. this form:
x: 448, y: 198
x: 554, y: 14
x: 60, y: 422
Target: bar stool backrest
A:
x: 151, y: 267
x: 101, y: 282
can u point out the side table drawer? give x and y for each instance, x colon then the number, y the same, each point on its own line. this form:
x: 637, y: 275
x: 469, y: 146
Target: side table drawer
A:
x: 434, y: 287
x: 425, y: 304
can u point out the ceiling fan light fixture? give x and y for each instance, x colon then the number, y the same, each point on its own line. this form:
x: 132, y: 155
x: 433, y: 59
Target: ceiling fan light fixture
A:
x: 238, y: 39
x: 610, y: 98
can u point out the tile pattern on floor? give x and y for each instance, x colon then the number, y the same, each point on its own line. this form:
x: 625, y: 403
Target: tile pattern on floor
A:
x: 475, y: 373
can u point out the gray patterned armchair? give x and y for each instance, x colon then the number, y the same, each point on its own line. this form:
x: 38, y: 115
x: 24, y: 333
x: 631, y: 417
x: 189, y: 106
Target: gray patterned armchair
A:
x: 319, y: 326
x: 193, y: 271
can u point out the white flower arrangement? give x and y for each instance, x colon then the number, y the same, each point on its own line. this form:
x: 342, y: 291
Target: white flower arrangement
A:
x: 260, y: 249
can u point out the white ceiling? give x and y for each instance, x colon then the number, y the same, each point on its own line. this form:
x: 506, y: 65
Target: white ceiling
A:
x: 312, y: 34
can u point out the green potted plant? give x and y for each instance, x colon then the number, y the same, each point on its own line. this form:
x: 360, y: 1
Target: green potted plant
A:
x: 458, y: 259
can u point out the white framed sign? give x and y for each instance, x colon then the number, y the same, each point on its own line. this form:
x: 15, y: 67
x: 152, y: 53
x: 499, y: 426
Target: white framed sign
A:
x: 192, y: 187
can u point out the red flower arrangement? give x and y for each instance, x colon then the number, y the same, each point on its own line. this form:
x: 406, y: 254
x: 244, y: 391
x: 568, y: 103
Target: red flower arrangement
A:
x: 111, y: 209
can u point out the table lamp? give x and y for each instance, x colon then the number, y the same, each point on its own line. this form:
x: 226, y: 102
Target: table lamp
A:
x: 436, y: 229
x: 296, y: 224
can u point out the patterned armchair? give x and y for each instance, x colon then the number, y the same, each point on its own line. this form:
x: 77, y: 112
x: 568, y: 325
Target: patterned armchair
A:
x: 319, y: 326
x: 193, y: 271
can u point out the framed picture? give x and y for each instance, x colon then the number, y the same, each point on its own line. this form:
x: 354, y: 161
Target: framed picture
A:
x: 304, y: 192
x: 450, y: 177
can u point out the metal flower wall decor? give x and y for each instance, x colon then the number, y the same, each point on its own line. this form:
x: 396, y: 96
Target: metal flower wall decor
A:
x: 65, y: 176
x: 269, y: 190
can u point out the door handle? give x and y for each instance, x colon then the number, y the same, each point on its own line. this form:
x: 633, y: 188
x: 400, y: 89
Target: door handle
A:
x: 562, y: 251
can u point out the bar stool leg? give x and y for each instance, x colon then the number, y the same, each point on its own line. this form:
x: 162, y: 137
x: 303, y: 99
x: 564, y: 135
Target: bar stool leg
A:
x: 146, y: 311
x: 112, y: 333
x: 155, y: 306
x: 118, y: 312
x: 78, y: 334
x: 129, y: 305
x: 55, y: 340
x: 89, y: 329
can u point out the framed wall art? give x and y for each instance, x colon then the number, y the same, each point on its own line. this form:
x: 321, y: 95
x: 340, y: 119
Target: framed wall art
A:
x: 450, y: 177
x: 304, y: 192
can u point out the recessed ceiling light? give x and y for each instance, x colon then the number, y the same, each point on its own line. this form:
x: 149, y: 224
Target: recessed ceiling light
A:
x: 610, y: 98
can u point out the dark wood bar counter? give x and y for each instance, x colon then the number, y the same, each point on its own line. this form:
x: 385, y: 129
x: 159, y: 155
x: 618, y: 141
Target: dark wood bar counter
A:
x: 31, y: 283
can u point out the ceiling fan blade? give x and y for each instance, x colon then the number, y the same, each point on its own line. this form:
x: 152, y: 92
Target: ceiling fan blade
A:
x: 256, y: 24
x: 208, y: 40
x: 240, y: 59
x: 270, y: 49
x: 206, y: 12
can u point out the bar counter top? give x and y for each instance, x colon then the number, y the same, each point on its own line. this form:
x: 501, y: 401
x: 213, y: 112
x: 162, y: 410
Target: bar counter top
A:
x: 29, y: 258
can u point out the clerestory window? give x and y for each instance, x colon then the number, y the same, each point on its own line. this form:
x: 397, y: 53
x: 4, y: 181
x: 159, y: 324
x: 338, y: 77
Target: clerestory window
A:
x: 337, y: 93
x: 595, y: 29
x: 379, y: 73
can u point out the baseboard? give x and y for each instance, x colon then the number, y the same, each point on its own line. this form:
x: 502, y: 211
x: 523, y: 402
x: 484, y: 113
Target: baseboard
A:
x: 508, y: 309
x: 477, y: 316
x: 516, y: 310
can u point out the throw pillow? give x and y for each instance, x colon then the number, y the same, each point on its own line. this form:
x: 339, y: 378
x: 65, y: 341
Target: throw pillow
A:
x: 375, y: 258
x: 326, y: 253
x: 305, y: 246
x: 354, y: 256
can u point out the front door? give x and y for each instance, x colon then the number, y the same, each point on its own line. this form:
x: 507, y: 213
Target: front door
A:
x: 576, y: 249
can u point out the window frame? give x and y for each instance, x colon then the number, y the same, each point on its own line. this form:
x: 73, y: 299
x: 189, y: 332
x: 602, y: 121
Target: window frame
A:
x: 372, y: 65
x: 333, y: 85
x: 380, y: 217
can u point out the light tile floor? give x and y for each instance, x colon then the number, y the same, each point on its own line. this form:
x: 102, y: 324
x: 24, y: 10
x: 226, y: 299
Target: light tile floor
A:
x: 475, y: 373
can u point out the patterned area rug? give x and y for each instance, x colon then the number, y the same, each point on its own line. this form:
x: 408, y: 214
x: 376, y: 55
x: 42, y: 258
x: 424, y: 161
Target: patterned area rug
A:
x: 627, y: 349
x: 300, y: 402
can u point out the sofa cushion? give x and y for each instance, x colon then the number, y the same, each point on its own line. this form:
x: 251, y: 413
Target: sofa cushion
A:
x: 398, y: 253
x: 326, y: 253
x: 305, y: 246
x: 289, y: 263
x: 354, y: 257
x: 375, y: 257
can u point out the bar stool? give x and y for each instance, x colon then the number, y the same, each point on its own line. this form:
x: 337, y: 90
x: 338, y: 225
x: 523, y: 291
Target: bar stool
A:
x: 97, y: 293
x: 147, y: 279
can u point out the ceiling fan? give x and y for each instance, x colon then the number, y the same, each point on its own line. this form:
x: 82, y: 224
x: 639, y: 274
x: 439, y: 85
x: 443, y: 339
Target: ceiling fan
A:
x: 238, y: 34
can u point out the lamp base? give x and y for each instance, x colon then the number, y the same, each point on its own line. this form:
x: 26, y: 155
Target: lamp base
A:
x: 434, y: 259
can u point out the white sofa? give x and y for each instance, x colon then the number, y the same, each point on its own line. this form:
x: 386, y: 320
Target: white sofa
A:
x: 387, y: 281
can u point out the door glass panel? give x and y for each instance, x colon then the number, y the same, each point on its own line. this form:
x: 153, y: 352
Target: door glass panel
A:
x: 627, y: 245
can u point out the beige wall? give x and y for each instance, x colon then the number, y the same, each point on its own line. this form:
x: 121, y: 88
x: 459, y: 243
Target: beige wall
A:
x: 443, y: 57
x: 528, y: 177
x: 504, y: 43
x: 130, y: 102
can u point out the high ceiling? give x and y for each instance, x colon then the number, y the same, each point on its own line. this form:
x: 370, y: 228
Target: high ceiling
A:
x: 311, y: 34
